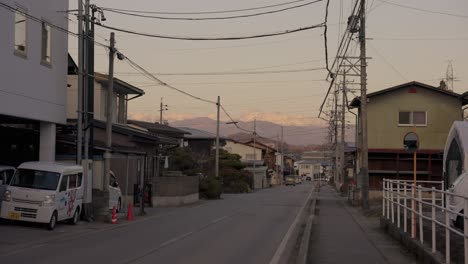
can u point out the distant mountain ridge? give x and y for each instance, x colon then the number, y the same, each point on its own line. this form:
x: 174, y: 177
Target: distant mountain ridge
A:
x: 293, y: 135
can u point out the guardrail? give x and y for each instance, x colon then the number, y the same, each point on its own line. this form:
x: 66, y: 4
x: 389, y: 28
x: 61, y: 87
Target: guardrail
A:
x: 424, y: 202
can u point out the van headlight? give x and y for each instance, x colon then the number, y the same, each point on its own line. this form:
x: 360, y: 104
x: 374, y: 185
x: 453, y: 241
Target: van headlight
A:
x: 48, y: 200
x: 7, y: 196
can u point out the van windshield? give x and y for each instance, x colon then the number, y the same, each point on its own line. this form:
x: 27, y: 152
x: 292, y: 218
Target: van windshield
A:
x: 36, y: 179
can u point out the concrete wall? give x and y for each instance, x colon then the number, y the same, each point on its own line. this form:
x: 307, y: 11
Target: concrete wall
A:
x: 175, y: 191
x: 384, y: 131
x: 30, y: 89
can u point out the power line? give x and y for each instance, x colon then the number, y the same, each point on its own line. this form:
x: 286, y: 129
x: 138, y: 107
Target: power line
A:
x: 152, y: 77
x: 423, y: 10
x: 204, y: 12
x: 211, y: 18
x: 388, y: 63
x: 241, y: 82
x: 342, y: 49
x: 227, y: 72
x: 207, y: 38
x: 419, y: 39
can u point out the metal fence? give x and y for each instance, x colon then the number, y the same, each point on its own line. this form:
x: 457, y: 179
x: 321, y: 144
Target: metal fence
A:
x: 425, y: 202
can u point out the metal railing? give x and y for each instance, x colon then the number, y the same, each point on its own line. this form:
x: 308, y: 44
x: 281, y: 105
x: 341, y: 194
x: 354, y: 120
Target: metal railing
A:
x: 402, y: 199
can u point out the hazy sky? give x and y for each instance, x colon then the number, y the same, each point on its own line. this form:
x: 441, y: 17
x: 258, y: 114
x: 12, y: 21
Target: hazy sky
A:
x: 405, y: 45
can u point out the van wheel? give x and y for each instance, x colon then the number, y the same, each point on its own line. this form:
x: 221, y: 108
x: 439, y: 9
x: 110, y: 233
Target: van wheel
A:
x: 76, y: 216
x: 459, y: 222
x: 53, y: 221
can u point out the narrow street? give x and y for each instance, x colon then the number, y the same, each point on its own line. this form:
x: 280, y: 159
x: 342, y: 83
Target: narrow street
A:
x: 244, y: 228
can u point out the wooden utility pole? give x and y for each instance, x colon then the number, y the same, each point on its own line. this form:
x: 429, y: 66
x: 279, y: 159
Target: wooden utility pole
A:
x: 79, y: 125
x: 344, y: 177
x: 218, y: 104
x: 254, y: 144
x: 335, y: 128
x: 364, y: 143
x: 109, y: 112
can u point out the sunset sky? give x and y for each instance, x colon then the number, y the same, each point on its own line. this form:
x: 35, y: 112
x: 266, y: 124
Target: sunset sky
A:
x: 405, y: 44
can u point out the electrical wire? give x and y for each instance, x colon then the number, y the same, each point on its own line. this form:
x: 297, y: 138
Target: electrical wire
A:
x: 205, y: 12
x: 207, y: 38
x: 423, y: 10
x: 226, y: 73
x: 388, y: 63
x: 212, y: 18
x: 152, y: 77
x: 342, y: 49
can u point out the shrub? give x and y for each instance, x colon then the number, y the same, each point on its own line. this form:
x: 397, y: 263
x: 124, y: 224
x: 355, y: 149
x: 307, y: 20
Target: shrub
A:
x: 210, y: 188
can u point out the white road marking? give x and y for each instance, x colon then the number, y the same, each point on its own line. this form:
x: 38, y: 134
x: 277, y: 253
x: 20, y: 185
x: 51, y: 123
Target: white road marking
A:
x: 219, y: 219
x: 282, y: 247
x: 176, y: 239
x: 23, y: 249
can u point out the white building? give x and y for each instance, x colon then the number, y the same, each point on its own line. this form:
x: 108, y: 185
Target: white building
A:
x: 33, y: 56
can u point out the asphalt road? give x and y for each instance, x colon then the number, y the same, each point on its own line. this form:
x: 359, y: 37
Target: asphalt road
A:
x: 243, y: 228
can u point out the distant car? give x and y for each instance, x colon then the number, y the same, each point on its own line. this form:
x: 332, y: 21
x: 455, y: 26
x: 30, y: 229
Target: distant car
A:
x: 290, y: 180
x: 308, y: 178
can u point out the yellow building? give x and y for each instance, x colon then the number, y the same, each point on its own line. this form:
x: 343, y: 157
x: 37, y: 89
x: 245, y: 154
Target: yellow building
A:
x: 411, y: 107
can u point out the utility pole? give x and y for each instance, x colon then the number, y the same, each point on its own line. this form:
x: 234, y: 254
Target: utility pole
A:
x: 162, y: 107
x: 282, y: 154
x: 79, y: 125
x: 254, y: 141
x: 89, y: 108
x: 335, y: 128
x: 218, y: 104
x: 364, y: 144
x: 109, y: 112
x: 343, y: 144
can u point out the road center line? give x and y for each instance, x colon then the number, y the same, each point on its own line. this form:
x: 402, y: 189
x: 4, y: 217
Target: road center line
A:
x: 219, y: 219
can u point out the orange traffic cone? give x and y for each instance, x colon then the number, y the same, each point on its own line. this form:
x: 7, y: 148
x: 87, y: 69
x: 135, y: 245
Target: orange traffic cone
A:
x: 114, y: 215
x: 130, y: 212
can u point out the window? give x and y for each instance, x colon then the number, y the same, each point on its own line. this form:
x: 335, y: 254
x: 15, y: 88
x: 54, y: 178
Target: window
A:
x: 80, y: 180
x: 9, y: 175
x: 63, y: 184
x: 20, y: 32
x: 45, y: 43
x: 36, y: 179
x: 72, y: 181
x: 408, y: 118
x: 404, y: 118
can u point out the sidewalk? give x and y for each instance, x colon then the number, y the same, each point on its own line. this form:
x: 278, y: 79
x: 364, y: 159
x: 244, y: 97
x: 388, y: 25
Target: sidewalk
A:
x: 341, y: 234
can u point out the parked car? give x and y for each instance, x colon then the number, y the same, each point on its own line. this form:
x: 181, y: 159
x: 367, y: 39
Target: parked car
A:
x: 44, y: 192
x: 6, y: 173
x: 455, y: 203
x: 115, y: 194
x: 290, y: 180
x: 308, y: 178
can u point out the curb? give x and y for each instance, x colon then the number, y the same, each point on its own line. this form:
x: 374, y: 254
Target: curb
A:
x: 303, y: 254
x: 284, y: 252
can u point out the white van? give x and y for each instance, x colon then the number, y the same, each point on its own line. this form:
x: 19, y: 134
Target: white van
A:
x: 6, y: 173
x: 44, y: 192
